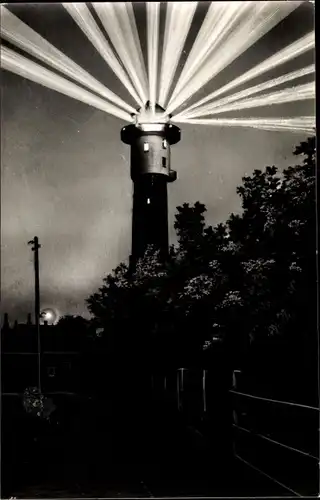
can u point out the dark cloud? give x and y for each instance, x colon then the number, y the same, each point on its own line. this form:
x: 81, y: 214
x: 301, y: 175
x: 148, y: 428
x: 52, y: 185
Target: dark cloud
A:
x: 65, y: 172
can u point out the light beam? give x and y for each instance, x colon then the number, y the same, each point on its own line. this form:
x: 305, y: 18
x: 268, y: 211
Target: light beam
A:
x: 153, y: 20
x: 291, y: 94
x: 84, y: 19
x: 126, y: 17
x: 21, y: 35
x: 179, y: 17
x: 220, y: 19
x: 295, y: 124
x: 217, y: 105
x: 292, y: 51
x: 111, y: 18
x: 14, y: 62
x: 266, y: 17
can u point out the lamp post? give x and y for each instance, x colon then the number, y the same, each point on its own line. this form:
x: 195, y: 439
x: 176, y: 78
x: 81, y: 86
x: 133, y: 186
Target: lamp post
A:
x: 35, y: 249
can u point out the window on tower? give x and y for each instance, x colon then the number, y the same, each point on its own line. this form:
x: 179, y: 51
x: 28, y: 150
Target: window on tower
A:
x: 164, y: 144
x: 164, y: 162
x: 146, y: 147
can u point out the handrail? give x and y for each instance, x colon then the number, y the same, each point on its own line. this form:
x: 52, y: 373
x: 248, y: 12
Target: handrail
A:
x: 275, y: 442
x: 274, y: 400
x: 267, y: 475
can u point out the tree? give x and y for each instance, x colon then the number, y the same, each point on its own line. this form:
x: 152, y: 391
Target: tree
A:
x: 70, y: 333
x: 70, y: 321
x: 239, y: 281
x: 190, y: 226
x: 276, y: 233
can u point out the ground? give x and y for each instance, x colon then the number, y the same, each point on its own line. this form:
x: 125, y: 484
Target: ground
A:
x: 172, y: 459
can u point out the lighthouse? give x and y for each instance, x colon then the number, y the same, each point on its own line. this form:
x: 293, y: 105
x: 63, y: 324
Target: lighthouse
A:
x: 150, y: 138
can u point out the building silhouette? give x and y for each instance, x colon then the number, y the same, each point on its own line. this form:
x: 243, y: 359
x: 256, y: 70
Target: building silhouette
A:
x: 62, y: 355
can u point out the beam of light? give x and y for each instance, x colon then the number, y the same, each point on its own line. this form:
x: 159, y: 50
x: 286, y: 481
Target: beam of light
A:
x: 122, y: 33
x: 290, y: 94
x: 153, y: 20
x: 220, y: 19
x: 266, y: 16
x: 294, y: 124
x: 82, y: 16
x: 178, y: 21
x: 126, y: 16
x: 84, y: 19
x: 274, y: 82
x: 14, y: 62
x: 292, y: 51
x: 21, y: 35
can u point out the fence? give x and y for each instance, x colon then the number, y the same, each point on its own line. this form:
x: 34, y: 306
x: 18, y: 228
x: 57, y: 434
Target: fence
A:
x: 279, y: 439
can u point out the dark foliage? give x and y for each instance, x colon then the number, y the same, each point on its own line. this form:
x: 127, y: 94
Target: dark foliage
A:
x: 250, y: 279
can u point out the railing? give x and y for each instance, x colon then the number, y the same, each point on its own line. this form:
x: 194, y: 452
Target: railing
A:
x: 294, y: 467
x: 256, y: 434
x: 285, y: 432
x: 265, y: 447
x: 276, y: 401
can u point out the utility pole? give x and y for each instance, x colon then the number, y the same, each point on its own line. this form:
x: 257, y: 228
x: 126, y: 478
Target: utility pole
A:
x: 35, y: 249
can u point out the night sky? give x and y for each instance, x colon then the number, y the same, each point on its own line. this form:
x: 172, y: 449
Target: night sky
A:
x: 65, y: 173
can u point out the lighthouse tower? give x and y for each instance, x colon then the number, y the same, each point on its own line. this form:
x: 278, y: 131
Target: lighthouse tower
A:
x: 150, y: 139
